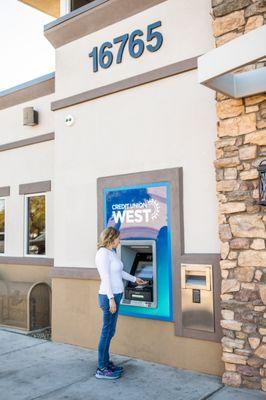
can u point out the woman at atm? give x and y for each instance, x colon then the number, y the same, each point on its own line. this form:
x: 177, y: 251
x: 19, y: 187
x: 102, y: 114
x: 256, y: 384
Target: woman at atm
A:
x: 111, y: 272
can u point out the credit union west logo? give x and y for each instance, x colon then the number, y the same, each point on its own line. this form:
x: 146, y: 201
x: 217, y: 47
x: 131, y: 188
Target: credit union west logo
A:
x: 131, y: 213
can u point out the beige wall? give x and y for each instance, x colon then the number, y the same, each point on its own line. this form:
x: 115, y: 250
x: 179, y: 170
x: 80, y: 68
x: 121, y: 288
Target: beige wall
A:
x: 23, y: 165
x: 12, y: 128
x: 26, y: 164
x: 25, y: 273
x: 168, y: 123
x: 186, y: 26
x: 77, y: 320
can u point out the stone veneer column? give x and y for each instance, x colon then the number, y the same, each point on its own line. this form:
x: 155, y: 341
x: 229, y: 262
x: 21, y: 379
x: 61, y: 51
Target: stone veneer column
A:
x: 240, y: 146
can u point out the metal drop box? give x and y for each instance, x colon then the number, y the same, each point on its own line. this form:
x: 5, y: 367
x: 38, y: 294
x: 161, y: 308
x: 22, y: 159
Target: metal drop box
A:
x: 197, y: 297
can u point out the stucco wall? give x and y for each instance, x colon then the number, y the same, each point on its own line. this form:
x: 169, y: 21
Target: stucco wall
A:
x: 26, y: 164
x: 186, y: 27
x: 12, y: 127
x: 168, y: 123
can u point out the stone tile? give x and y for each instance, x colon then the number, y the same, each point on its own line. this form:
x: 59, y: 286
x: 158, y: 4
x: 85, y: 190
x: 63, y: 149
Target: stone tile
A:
x: 228, y: 6
x: 232, y: 207
x: 258, y: 137
x: 254, y: 22
x: 229, y: 108
x: 230, y: 285
x: 228, y: 23
x: 227, y: 38
x: 244, y: 124
x: 231, y: 324
x: 247, y: 226
x: 256, y: 258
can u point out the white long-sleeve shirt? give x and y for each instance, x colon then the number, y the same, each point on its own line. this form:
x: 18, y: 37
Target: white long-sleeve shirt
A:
x: 111, y: 272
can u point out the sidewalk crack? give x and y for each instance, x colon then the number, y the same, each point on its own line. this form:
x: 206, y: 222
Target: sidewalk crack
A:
x: 209, y: 396
x: 21, y: 349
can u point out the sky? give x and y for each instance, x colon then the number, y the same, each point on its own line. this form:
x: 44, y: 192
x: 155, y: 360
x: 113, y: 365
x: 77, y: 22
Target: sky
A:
x: 25, y: 52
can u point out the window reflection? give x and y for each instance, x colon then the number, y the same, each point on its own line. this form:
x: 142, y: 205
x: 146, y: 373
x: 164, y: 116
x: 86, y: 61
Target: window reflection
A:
x: 2, y: 225
x: 36, y: 225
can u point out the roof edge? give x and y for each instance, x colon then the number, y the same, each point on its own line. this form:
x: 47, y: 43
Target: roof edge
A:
x: 27, y: 91
x: 27, y: 84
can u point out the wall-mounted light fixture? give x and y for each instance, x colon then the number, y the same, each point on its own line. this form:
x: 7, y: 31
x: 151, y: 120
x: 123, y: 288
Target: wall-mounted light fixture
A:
x: 30, y: 116
x: 262, y: 183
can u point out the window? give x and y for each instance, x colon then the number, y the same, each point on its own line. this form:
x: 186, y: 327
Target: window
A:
x: 35, y: 224
x: 2, y: 226
x: 79, y: 3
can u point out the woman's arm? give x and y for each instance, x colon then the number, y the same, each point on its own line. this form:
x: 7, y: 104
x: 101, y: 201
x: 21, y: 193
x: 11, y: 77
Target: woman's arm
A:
x: 128, y: 277
x: 133, y: 278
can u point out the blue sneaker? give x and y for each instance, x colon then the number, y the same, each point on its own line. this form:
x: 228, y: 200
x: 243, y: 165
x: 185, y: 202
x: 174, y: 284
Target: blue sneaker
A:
x: 115, y: 368
x: 106, y: 373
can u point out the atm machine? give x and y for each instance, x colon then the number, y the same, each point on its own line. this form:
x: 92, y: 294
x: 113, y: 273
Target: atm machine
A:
x: 139, y: 259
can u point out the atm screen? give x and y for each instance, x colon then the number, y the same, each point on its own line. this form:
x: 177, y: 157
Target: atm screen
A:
x: 144, y: 271
x: 142, y: 266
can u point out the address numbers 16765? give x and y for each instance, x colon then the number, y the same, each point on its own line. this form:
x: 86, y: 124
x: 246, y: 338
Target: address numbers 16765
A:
x: 135, y: 43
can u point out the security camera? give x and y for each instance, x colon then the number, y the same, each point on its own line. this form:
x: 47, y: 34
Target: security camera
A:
x: 69, y: 120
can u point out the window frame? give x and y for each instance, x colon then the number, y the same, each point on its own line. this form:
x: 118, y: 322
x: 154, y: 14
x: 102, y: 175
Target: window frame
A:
x: 25, y: 241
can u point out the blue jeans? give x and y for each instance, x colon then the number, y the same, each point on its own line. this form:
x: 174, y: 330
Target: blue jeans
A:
x: 108, y: 328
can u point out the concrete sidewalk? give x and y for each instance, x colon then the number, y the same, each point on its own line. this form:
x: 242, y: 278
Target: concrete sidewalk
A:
x: 38, y: 369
